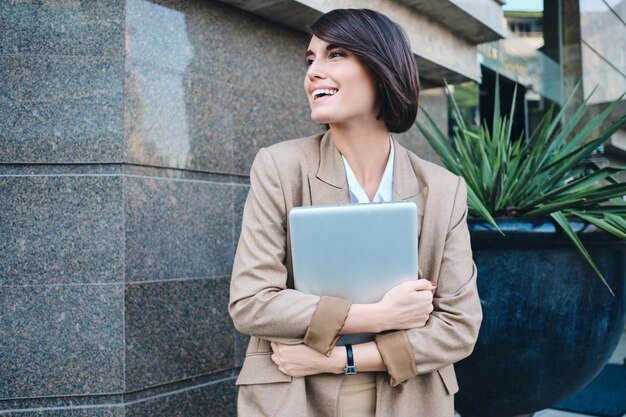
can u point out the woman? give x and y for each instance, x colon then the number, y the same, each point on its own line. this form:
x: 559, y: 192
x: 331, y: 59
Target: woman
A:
x: 361, y: 82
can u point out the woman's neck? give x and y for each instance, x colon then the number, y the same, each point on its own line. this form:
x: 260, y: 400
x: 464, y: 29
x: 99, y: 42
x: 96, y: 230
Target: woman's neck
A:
x: 366, y: 148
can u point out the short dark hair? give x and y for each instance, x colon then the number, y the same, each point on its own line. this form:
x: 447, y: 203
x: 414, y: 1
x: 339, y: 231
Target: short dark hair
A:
x: 383, y: 47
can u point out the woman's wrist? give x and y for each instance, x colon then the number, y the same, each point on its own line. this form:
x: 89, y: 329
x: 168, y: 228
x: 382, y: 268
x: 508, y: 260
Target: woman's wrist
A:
x: 376, y: 317
x: 367, y: 358
x: 365, y: 318
x: 380, y: 321
x: 336, y: 362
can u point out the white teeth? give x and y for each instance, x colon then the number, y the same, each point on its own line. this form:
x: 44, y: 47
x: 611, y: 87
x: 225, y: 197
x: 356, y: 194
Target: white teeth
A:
x: 323, y: 91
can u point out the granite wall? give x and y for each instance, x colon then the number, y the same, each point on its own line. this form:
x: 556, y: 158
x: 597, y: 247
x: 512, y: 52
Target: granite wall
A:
x: 127, y: 129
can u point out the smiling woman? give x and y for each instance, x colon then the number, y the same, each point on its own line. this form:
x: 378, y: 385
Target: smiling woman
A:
x: 340, y: 87
x: 359, y: 62
x: 361, y: 82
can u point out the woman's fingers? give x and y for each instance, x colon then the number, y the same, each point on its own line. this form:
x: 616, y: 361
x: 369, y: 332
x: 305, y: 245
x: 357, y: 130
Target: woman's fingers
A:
x: 417, y: 285
x: 424, y: 284
x: 296, y: 360
x: 407, y: 305
x: 275, y: 356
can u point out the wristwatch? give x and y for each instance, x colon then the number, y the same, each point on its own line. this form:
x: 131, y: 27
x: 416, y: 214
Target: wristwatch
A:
x: 350, y: 369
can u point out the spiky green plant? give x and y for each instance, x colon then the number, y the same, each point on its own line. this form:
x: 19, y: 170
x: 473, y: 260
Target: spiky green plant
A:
x: 550, y: 174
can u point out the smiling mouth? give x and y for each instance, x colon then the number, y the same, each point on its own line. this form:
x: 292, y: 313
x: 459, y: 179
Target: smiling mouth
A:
x: 317, y: 94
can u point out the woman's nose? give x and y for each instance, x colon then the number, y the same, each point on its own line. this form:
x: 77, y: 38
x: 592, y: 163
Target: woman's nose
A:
x: 315, y: 70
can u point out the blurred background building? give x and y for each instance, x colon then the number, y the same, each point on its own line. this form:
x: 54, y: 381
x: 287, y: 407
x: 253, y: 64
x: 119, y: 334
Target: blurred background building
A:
x: 127, y: 130
x: 549, y: 47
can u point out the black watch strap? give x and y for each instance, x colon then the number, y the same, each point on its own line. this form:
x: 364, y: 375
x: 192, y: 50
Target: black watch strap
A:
x: 350, y: 369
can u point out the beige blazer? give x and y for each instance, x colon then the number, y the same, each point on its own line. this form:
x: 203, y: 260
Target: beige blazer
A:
x: 263, y: 304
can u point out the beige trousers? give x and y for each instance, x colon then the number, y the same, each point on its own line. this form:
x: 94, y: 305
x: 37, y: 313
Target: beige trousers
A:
x: 357, y: 397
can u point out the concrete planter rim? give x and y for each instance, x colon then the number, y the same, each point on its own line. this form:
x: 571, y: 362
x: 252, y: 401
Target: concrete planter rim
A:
x: 542, y: 232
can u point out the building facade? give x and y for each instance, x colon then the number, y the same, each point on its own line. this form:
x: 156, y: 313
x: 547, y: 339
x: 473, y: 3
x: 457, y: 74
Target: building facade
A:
x: 546, y: 53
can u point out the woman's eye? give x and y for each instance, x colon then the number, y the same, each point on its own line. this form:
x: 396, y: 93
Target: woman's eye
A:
x: 308, y: 62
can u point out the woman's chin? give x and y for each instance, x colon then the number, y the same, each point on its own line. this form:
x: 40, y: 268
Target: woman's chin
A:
x: 322, y: 118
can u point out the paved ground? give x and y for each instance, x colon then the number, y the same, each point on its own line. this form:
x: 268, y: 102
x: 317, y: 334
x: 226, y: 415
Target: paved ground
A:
x: 557, y: 413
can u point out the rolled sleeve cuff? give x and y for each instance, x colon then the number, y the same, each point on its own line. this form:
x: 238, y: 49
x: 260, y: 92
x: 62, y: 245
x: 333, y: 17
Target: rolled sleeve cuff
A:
x: 328, y: 319
x: 396, y: 351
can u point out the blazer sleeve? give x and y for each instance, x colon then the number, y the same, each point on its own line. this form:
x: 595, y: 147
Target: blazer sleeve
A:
x: 260, y: 303
x: 452, y: 329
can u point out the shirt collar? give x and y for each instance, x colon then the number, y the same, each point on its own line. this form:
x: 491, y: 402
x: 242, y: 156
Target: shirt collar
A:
x: 385, y: 189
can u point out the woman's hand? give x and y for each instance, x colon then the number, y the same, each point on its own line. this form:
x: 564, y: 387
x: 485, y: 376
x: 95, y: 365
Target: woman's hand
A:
x: 301, y: 360
x: 407, y: 305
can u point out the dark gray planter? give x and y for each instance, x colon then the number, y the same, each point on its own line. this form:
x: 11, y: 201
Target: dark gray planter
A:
x: 549, y: 324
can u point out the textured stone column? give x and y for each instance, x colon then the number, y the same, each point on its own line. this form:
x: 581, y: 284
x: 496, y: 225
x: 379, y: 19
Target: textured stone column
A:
x: 127, y: 132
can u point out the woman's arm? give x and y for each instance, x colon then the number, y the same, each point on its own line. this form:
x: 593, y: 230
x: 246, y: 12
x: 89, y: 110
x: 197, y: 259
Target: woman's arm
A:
x: 408, y: 305
x: 300, y: 360
x: 405, y: 306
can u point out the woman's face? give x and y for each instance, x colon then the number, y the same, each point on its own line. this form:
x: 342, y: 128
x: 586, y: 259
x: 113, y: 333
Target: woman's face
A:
x: 352, y: 95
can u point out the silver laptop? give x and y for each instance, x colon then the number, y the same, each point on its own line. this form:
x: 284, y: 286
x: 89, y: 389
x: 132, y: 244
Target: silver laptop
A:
x: 354, y: 251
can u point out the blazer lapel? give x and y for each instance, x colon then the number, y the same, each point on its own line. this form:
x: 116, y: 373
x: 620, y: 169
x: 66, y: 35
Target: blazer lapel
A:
x: 407, y: 187
x: 329, y: 184
x: 405, y: 183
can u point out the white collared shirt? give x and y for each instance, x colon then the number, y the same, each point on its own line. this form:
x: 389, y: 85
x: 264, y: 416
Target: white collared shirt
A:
x: 385, y: 189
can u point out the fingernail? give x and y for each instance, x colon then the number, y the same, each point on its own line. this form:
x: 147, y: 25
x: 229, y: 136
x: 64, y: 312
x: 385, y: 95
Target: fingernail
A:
x: 434, y: 284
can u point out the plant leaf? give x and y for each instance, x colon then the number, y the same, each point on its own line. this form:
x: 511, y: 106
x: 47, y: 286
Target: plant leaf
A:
x: 601, y: 223
x: 562, y: 221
